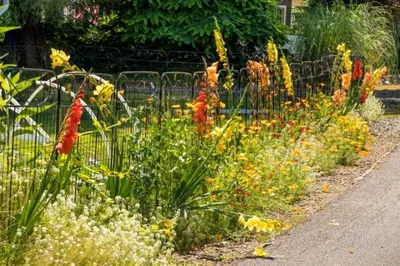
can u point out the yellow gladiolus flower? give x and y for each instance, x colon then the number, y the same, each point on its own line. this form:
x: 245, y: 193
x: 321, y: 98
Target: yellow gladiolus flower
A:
x: 220, y: 147
x: 104, y: 91
x: 220, y: 44
x: 59, y: 58
x: 346, y: 60
x: 272, y: 52
x: 341, y: 48
x: 287, y: 75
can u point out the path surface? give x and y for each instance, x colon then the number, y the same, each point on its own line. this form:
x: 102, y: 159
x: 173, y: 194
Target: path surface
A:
x: 360, y: 227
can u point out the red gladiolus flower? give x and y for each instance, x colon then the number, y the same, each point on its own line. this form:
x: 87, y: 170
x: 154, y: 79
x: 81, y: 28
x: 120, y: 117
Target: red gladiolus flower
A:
x: 200, y: 115
x: 358, y: 69
x: 363, y: 98
x: 69, y: 133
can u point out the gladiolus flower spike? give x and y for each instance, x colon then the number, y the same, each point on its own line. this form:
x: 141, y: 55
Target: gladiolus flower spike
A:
x: 69, y: 132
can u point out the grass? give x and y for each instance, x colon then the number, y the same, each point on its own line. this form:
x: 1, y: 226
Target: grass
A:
x: 367, y: 30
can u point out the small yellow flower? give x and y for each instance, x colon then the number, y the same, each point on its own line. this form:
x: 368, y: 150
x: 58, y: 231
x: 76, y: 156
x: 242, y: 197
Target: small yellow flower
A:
x: 259, y: 252
x: 241, y: 220
x: 362, y: 153
x: 213, y: 197
x: 209, y: 180
x: 242, y: 157
x: 292, y: 187
x: 325, y: 188
x: 217, y: 132
x: 266, y: 123
x: 219, y: 236
x: 154, y: 227
x: 168, y: 232
x: 150, y: 100
x: 222, y: 105
x: 176, y: 106
x: 297, y: 210
x: 333, y: 149
x: 288, y: 227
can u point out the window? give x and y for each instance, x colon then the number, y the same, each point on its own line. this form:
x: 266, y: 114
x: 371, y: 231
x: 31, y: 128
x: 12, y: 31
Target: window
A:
x: 281, y: 13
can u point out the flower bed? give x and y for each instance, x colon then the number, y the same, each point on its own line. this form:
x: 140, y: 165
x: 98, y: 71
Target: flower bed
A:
x: 191, y: 174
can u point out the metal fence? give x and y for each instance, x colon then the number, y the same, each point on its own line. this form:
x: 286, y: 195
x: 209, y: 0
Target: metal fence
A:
x: 114, y: 60
x: 24, y: 155
x: 103, y: 59
x: 166, y: 89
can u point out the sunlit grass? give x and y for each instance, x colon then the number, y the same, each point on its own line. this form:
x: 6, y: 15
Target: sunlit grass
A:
x: 367, y: 30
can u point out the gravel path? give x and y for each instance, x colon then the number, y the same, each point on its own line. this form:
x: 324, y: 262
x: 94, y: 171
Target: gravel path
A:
x: 358, y: 227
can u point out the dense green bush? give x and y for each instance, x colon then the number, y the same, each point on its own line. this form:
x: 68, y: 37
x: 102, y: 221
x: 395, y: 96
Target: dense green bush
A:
x: 366, y: 29
x: 190, y: 22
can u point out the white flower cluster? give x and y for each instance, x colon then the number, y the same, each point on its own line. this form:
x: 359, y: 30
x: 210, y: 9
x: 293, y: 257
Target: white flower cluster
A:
x: 371, y: 110
x: 98, y: 234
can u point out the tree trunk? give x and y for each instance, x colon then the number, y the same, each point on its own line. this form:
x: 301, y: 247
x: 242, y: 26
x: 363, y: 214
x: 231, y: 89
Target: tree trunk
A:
x: 22, y: 47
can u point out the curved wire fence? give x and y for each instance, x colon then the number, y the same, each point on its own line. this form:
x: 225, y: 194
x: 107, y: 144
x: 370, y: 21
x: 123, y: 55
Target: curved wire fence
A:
x: 24, y: 154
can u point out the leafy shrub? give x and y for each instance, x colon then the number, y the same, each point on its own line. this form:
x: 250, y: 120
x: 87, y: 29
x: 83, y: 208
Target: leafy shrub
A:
x: 173, y: 23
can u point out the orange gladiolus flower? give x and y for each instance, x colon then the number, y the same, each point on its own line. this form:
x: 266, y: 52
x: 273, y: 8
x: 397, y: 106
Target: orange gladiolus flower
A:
x: 69, y: 133
x: 339, y: 97
x: 200, y: 114
x: 258, y: 72
x: 346, y: 80
x: 367, y: 79
x: 212, y: 76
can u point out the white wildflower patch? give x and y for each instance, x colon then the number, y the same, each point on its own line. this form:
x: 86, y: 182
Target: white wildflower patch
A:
x: 96, y: 234
x: 371, y: 110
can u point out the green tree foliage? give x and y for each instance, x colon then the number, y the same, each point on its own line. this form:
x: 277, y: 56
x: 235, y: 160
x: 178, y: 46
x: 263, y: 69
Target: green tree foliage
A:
x: 107, y: 30
x: 24, y: 12
x: 189, y: 23
x: 30, y: 16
